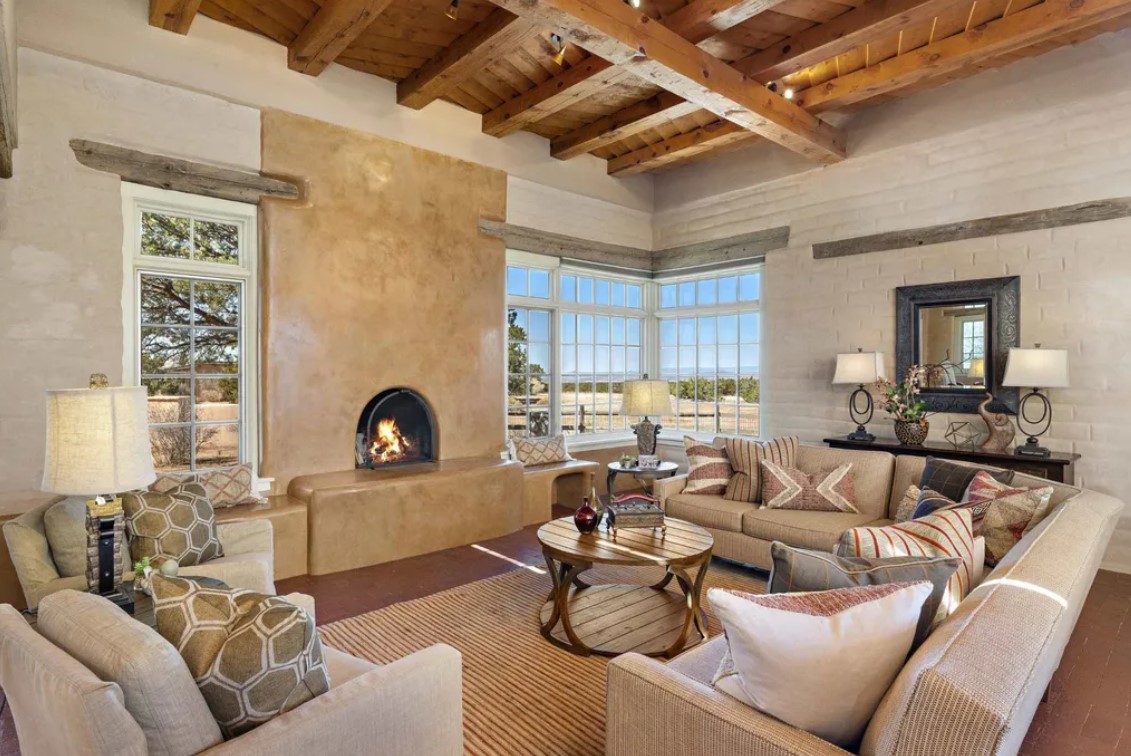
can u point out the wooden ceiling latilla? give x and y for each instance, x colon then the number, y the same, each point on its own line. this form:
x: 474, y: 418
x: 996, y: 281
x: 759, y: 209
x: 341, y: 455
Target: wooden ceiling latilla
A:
x: 334, y: 27
x: 173, y: 15
x: 622, y: 35
x: 696, y: 22
x: 679, y: 147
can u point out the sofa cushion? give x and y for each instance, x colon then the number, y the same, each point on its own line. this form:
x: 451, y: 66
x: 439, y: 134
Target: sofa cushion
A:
x: 179, y: 524
x: 746, y: 457
x: 806, y: 530
x: 708, y: 511
x: 224, y: 488
x: 541, y: 451
x: 158, y: 689
x: 65, y: 526
x: 872, y: 471
x: 790, y: 488
x: 908, y: 471
x: 1010, y: 512
x: 344, y: 667
x: 708, y: 469
x: 951, y: 479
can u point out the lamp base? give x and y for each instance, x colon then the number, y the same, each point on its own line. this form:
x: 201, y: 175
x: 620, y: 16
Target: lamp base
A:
x: 123, y: 599
x: 861, y: 434
x: 646, y: 434
x: 1032, y: 448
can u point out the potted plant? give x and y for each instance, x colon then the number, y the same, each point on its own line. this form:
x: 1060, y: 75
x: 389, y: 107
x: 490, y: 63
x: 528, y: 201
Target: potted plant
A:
x: 902, y: 402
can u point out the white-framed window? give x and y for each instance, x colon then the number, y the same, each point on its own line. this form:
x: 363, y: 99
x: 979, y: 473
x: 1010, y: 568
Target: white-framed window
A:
x: 700, y: 332
x: 192, y: 325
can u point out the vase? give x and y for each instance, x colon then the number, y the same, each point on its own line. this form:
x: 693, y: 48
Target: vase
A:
x: 911, y: 433
x: 586, y: 518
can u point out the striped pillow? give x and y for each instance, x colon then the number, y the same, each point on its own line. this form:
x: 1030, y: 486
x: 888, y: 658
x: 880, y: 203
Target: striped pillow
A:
x: 708, y: 469
x: 746, y: 457
x: 949, y: 533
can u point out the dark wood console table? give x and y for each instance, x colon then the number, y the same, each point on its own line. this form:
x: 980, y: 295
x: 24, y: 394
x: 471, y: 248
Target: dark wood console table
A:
x: 1057, y: 468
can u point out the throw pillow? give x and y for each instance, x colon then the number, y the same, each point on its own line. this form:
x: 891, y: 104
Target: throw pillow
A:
x: 949, y: 533
x: 224, y: 488
x: 708, y: 469
x: 952, y: 479
x: 179, y: 524
x: 802, y: 570
x: 818, y: 661
x: 790, y: 488
x: 906, y: 507
x: 746, y: 458
x: 64, y: 526
x: 1010, y: 512
x: 933, y: 501
x: 541, y: 451
x: 253, y: 657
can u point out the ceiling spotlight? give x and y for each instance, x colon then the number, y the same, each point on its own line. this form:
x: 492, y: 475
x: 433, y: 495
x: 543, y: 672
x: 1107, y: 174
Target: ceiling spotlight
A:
x: 559, y: 56
x: 772, y: 86
x: 453, y: 10
x: 788, y: 93
x: 633, y: 3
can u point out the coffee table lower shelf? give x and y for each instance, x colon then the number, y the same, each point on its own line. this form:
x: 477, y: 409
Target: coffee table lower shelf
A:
x: 614, y: 619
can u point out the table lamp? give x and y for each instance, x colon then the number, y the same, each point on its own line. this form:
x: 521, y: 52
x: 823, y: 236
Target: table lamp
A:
x: 1036, y: 369
x: 97, y: 447
x: 977, y: 368
x: 859, y: 367
x: 643, y: 398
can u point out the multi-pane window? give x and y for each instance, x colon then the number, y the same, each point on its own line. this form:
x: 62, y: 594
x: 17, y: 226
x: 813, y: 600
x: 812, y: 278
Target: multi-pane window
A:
x: 529, y: 372
x: 601, y: 292
x: 973, y: 340
x: 190, y: 338
x: 599, y: 353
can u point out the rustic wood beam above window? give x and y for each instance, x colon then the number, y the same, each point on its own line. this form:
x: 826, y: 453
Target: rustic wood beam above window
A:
x: 181, y: 175
x: 334, y: 28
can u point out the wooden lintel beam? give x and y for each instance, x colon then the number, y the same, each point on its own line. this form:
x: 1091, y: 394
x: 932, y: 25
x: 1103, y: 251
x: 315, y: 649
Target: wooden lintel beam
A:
x: 334, y: 28
x: 498, y: 34
x: 173, y: 15
x: 696, y: 22
x: 181, y: 175
x: 1068, y: 215
x: 677, y: 147
x: 822, y: 42
x: 720, y: 251
x: 620, y: 34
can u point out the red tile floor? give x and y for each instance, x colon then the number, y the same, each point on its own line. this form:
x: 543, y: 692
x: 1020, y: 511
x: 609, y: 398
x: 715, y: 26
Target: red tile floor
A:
x: 1087, y: 713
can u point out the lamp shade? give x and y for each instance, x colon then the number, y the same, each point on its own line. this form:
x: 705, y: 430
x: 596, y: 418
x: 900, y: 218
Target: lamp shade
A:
x: 1037, y: 368
x: 646, y: 397
x: 977, y: 368
x: 859, y: 367
x: 97, y: 441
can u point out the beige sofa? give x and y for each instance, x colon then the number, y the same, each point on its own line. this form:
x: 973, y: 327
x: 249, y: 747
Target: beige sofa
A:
x: 971, y: 688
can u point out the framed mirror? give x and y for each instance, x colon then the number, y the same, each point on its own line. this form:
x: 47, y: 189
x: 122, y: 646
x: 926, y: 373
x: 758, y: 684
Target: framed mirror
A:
x: 960, y: 332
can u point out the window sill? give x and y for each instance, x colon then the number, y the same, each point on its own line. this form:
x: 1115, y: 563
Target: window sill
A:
x: 573, y: 443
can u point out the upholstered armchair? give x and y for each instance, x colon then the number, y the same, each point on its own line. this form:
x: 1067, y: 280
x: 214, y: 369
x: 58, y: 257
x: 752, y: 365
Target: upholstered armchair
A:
x: 248, y: 560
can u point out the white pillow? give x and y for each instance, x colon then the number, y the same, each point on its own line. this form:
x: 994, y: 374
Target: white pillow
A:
x: 820, y: 661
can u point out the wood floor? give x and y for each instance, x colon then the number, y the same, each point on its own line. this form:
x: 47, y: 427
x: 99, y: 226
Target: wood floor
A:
x: 1087, y: 713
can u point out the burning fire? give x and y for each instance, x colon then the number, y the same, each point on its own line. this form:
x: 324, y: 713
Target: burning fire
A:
x: 389, y: 445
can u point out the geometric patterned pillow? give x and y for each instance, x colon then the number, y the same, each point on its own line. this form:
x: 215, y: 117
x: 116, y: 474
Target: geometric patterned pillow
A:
x: 541, y: 451
x: 947, y: 533
x: 746, y: 458
x: 790, y: 488
x: 253, y: 656
x: 179, y: 524
x: 1009, y: 513
x: 906, y: 508
x: 224, y: 488
x: 933, y: 501
x: 708, y: 470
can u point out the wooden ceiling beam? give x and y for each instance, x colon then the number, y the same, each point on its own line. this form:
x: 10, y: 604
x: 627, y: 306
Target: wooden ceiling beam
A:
x: 622, y: 35
x: 679, y: 147
x: 173, y: 15
x: 498, y: 34
x: 334, y: 28
x: 818, y: 43
x: 696, y: 22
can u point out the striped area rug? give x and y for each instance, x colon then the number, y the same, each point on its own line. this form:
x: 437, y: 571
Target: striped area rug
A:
x: 521, y: 694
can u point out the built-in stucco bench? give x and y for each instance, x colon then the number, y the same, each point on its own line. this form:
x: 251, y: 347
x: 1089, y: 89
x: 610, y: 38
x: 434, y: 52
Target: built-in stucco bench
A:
x: 288, y: 530
x: 556, y: 483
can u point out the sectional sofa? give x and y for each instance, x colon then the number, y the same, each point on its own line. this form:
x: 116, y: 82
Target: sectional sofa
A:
x: 971, y: 688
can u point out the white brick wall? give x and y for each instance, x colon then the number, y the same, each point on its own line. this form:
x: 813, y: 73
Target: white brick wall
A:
x: 561, y: 212
x: 1075, y: 281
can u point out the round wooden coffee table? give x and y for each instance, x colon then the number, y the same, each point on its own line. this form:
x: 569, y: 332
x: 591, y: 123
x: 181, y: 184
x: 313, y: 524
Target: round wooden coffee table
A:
x: 614, y: 619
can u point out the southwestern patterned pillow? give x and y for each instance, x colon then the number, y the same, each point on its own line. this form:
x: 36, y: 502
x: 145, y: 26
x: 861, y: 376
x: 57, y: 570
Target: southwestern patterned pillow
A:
x: 708, y: 470
x: 224, y: 488
x: 1009, y: 513
x: 253, y: 656
x: 906, y: 509
x: 746, y: 458
x: 790, y: 488
x: 949, y: 533
x: 541, y: 451
x: 179, y: 524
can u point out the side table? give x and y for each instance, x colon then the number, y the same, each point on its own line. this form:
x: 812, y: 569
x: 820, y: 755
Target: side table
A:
x: 665, y: 470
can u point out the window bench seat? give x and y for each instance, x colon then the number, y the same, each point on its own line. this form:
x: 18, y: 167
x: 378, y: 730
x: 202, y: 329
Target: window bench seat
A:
x: 556, y: 483
x: 288, y: 527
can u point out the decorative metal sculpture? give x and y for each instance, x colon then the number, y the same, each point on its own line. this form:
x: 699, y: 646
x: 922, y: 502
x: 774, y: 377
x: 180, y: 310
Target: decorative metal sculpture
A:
x: 1001, y: 430
x: 962, y: 434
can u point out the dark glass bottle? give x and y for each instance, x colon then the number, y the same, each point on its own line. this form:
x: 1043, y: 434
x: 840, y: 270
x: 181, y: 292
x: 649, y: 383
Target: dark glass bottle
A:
x: 586, y: 518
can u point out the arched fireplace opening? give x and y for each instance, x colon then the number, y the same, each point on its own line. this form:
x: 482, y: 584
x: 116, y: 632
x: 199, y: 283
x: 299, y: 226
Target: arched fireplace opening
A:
x: 396, y: 427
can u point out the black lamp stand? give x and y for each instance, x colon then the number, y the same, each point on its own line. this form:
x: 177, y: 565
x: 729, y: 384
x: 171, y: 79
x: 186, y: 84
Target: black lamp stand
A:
x: 1037, y: 426
x: 861, y: 416
x: 105, y: 536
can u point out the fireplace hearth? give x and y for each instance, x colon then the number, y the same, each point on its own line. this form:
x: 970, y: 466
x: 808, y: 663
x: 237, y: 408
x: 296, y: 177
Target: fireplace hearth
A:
x: 396, y: 427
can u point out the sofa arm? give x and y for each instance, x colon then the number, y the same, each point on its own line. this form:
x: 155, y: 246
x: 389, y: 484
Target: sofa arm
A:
x: 655, y: 711
x: 662, y: 488
x: 246, y: 536
x: 412, y: 706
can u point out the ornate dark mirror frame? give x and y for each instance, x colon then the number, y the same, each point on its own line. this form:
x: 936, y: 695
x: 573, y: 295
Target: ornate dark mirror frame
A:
x: 1003, y: 329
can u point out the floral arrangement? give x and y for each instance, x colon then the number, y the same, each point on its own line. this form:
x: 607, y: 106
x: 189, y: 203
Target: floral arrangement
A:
x: 901, y: 400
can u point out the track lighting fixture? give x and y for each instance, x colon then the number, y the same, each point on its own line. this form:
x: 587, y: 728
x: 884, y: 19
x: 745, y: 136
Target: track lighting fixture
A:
x: 559, y: 56
x: 453, y: 10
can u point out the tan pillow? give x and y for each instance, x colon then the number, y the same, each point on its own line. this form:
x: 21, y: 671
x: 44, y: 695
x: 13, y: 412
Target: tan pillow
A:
x: 708, y: 470
x: 159, y: 691
x: 179, y: 524
x: 224, y: 488
x: 746, y: 456
x: 253, y: 657
x: 541, y: 451
x: 906, y: 509
x: 64, y: 525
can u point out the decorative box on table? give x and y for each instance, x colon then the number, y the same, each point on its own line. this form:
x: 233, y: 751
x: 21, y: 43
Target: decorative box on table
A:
x: 635, y: 511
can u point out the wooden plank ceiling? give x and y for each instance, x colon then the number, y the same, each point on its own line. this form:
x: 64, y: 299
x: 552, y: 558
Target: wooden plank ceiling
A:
x: 708, y: 78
